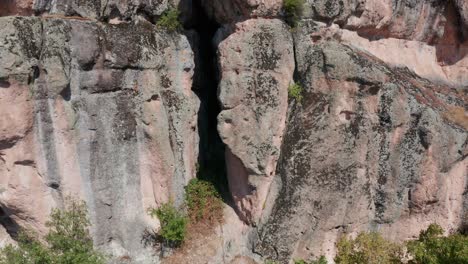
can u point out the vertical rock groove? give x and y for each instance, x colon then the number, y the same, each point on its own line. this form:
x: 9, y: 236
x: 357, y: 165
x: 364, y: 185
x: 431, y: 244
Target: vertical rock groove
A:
x: 205, y: 84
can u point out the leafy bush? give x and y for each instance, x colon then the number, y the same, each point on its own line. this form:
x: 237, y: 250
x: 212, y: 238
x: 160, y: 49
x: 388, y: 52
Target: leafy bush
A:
x: 68, y: 240
x: 295, y: 91
x: 170, y: 20
x: 321, y: 260
x: 433, y: 248
x: 203, y: 201
x: 173, y: 224
x: 293, y: 11
x: 370, y: 248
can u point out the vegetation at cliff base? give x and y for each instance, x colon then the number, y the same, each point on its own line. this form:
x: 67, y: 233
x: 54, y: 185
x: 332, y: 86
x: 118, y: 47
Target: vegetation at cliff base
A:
x: 369, y: 248
x: 204, y: 210
x: 173, y: 224
x: 293, y: 11
x: 295, y: 91
x: 67, y: 242
x: 433, y: 248
x: 170, y: 20
x: 203, y: 201
x: 321, y: 260
x: 430, y: 248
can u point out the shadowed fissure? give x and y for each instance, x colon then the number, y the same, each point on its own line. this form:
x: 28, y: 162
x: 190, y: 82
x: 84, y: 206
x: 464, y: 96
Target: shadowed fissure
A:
x: 211, y: 162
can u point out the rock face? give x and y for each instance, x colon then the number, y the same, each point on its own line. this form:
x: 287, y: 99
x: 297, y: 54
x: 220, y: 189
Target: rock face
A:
x: 368, y: 148
x: 408, y: 19
x: 226, y: 11
x: 84, y: 114
x: 256, y: 65
x: 96, y: 102
x: 93, y: 9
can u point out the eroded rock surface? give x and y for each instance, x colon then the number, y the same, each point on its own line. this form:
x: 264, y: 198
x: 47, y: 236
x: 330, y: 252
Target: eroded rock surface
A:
x: 369, y: 148
x: 227, y: 11
x: 256, y: 64
x: 97, y: 102
x: 92, y: 9
x: 103, y: 112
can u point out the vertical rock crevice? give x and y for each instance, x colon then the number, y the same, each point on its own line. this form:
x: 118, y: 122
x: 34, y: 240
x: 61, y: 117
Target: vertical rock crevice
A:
x: 211, y: 161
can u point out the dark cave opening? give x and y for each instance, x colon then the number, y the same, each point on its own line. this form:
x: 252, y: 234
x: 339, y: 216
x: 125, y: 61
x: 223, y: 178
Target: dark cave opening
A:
x: 11, y: 227
x: 211, y: 159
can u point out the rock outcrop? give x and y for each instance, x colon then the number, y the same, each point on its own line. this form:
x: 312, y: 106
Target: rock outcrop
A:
x: 96, y: 101
x: 368, y: 148
x: 256, y: 66
x: 104, y: 112
x: 91, y: 9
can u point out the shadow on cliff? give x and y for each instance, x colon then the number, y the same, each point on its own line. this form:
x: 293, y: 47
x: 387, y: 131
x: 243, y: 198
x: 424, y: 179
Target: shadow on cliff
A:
x: 211, y: 161
x: 11, y: 227
x: 453, y: 46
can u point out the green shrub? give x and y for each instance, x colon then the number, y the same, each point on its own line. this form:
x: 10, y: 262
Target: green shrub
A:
x: 67, y: 242
x: 295, y: 91
x: 369, y: 248
x: 170, y: 20
x: 203, y: 201
x: 433, y: 248
x: 293, y: 11
x: 173, y: 224
x: 321, y: 260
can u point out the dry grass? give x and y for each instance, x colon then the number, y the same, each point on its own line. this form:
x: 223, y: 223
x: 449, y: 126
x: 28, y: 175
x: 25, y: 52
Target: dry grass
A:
x: 457, y: 115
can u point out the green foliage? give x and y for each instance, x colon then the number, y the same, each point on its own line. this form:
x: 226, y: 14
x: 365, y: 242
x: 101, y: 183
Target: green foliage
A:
x: 433, y: 248
x: 293, y: 11
x: 68, y: 240
x: 321, y: 260
x: 268, y: 261
x: 370, y: 248
x: 28, y: 251
x: 173, y: 224
x: 295, y: 91
x: 170, y: 20
x: 203, y: 201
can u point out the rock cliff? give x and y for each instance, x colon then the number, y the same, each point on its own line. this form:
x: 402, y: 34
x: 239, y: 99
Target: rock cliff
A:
x: 98, y: 102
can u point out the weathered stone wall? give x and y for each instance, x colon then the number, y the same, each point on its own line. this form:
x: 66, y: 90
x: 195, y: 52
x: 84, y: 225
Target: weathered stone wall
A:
x: 103, y: 112
x: 97, y: 102
x: 368, y: 148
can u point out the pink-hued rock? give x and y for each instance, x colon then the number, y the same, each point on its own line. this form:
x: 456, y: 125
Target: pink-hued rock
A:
x: 256, y: 66
x: 16, y: 7
x: 85, y: 116
x: 427, y: 61
x: 370, y: 147
x: 24, y: 197
x: 227, y: 11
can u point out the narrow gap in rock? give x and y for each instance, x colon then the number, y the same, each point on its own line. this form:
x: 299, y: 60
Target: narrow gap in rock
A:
x: 10, y: 226
x: 211, y: 158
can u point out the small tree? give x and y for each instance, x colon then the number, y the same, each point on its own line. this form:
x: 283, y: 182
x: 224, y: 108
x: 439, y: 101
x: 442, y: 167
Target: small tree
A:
x: 293, y: 11
x: 433, y: 248
x: 170, y: 20
x: 173, y: 224
x: 68, y: 240
x: 370, y: 248
x: 295, y: 91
